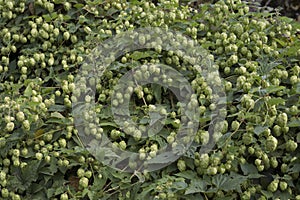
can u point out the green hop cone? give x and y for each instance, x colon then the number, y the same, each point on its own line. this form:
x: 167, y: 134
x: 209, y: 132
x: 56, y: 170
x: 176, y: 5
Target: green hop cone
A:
x: 247, y: 138
x: 123, y: 145
x: 204, y: 160
x: 273, y: 186
x: 273, y: 162
x: 283, y: 185
x: 64, y: 196
x: 238, y: 29
x: 181, y: 165
x: 235, y: 125
x: 4, y: 193
x: 10, y: 126
x: 84, y: 182
x: 291, y: 145
x: 20, y: 116
x: 271, y: 143
x: 282, y: 119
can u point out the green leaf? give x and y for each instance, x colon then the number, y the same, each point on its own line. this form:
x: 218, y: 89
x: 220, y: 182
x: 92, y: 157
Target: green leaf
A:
x: 197, y: 185
x: 145, y: 192
x: 28, y: 91
x: 57, y: 108
x: 282, y: 195
x: 116, y: 66
x: 276, y: 101
x: 273, y: 89
x: 112, y: 11
x: 179, y: 185
x: 286, y: 19
x: 189, y: 174
x: 228, y: 183
x: 47, y: 18
x: 36, y: 188
x: 234, y: 183
x: 190, y: 153
x: 254, y: 176
x: 281, y: 42
x: 155, y: 118
x: 162, y: 158
x: 298, y: 88
x: 57, y: 115
x: 267, y: 194
x: 295, y: 168
x: 225, y: 198
x: 259, y: 105
x: 102, y: 124
x: 47, y: 90
x: 294, y: 123
x: 224, y: 139
x: 298, y: 137
x: 159, y: 139
x: 14, y: 183
x: 259, y: 129
x: 59, y: 1
x: 29, y: 173
x: 51, y: 169
x: 144, y: 120
x: 157, y: 92
x: 219, y: 180
x: 100, y: 154
x: 140, y: 54
x: 78, y: 5
x: 291, y: 50
x: 248, y: 169
x: 58, y: 121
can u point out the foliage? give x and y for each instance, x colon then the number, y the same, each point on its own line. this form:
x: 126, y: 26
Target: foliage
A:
x: 43, y: 44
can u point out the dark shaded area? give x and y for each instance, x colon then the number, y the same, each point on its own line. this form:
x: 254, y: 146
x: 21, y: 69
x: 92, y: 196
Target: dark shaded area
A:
x: 289, y: 8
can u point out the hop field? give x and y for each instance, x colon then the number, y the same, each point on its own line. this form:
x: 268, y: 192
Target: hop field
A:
x: 148, y: 100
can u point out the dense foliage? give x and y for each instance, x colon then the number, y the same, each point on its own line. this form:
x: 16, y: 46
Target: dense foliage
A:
x: 43, y: 44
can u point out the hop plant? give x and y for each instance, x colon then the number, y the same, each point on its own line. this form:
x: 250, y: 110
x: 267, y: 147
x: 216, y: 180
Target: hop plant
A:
x: 271, y: 143
x: 45, y: 46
